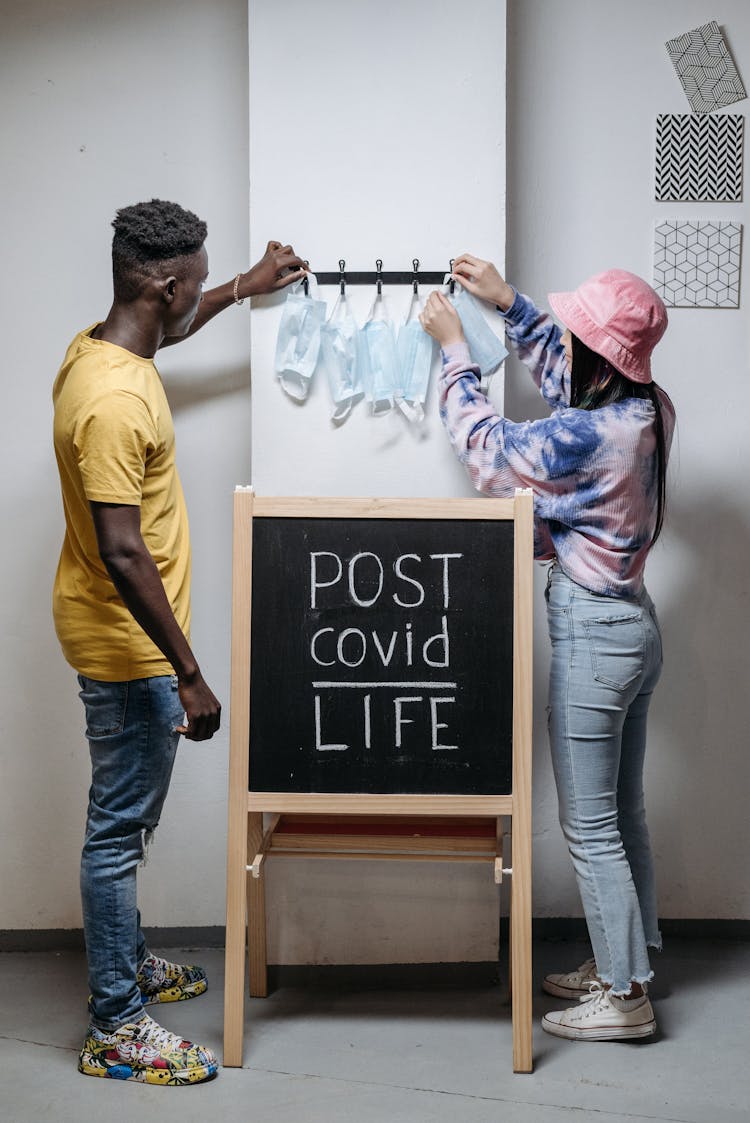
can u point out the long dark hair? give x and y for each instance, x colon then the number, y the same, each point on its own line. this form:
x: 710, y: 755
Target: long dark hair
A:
x: 594, y: 383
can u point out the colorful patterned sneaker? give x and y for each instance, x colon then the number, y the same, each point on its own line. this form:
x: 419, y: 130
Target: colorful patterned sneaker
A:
x: 144, y: 1051
x: 574, y: 984
x: 602, y: 1017
x: 162, y: 981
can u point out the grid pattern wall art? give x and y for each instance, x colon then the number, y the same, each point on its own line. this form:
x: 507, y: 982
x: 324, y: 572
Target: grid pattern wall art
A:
x: 697, y: 264
x: 699, y: 158
x: 705, y: 68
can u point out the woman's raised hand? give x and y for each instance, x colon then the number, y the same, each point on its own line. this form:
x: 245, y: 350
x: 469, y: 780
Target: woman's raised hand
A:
x: 482, y: 279
x: 440, y: 320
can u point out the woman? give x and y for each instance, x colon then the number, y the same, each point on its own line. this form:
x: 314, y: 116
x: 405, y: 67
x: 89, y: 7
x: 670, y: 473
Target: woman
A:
x: 597, y: 467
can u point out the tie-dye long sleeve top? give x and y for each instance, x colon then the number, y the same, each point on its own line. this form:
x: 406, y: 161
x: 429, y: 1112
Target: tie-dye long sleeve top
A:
x: 593, y: 472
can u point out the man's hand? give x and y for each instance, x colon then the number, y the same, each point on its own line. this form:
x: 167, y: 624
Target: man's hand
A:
x: 482, y: 279
x: 440, y: 320
x: 278, y: 268
x: 202, y: 708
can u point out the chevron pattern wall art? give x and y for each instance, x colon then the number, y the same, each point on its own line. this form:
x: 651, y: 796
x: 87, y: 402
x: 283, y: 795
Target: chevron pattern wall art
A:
x: 697, y: 264
x: 705, y: 68
x: 699, y: 158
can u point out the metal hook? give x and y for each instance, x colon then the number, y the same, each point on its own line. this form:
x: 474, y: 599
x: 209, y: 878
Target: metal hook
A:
x: 306, y: 282
x: 415, y: 267
x: 451, y: 283
x: 342, y: 264
x: 379, y: 268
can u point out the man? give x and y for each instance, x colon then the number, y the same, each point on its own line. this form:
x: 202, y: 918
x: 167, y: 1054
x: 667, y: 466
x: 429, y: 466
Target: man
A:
x: 122, y: 612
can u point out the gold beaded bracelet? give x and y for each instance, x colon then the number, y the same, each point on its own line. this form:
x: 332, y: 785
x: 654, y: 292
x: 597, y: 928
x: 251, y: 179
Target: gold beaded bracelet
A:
x: 237, y: 299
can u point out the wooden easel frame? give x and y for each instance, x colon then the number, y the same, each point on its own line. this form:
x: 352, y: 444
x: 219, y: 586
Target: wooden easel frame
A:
x: 247, y: 838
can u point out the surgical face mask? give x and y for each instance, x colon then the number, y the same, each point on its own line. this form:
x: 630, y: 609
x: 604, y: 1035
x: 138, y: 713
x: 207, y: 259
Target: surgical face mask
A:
x: 338, y: 357
x: 298, y: 341
x: 378, y: 359
x: 415, y: 352
x: 486, y: 349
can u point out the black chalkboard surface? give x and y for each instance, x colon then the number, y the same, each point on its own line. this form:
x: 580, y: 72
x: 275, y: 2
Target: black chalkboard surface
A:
x: 382, y: 656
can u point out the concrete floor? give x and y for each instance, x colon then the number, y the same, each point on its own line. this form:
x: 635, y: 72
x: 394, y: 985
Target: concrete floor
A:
x: 321, y: 1054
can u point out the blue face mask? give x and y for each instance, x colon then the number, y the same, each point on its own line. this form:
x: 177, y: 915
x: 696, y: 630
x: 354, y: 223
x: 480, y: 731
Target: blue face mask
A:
x: 487, y: 351
x: 338, y: 356
x: 378, y: 359
x: 415, y: 352
x: 298, y: 341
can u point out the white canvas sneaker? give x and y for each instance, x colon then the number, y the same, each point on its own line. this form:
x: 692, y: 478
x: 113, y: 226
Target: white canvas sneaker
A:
x: 602, y: 1017
x: 574, y: 984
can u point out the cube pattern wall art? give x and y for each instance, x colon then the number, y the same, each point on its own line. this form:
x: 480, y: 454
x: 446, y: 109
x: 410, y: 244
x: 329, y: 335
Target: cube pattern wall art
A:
x: 705, y: 68
x: 697, y: 264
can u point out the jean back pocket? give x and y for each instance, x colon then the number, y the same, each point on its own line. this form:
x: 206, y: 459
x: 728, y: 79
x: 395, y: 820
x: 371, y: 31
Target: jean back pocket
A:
x: 617, y: 647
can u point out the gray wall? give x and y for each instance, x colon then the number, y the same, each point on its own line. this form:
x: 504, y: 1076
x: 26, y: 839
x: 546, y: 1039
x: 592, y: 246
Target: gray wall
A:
x: 104, y: 104
x: 586, y: 80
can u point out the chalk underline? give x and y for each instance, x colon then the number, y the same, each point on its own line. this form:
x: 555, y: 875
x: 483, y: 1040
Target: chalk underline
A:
x: 387, y: 685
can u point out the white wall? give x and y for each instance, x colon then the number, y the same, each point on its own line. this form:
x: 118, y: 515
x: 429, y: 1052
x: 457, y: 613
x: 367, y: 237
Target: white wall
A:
x: 352, y: 158
x: 586, y: 82
x: 104, y: 104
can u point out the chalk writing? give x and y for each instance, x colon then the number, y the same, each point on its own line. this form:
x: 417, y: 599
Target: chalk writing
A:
x: 358, y: 583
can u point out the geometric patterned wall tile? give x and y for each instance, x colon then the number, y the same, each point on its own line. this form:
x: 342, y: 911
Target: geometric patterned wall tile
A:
x: 697, y: 264
x: 699, y: 158
x: 705, y: 68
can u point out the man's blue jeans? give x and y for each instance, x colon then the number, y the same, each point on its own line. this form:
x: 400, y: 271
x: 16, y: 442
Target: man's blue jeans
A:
x: 606, y: 661
x: 130, y: 727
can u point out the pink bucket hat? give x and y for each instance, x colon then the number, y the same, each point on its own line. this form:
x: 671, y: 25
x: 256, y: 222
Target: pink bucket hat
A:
x: 618, y: 315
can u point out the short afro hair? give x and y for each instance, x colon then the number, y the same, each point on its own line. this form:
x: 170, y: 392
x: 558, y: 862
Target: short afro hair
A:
x: 147, y: 234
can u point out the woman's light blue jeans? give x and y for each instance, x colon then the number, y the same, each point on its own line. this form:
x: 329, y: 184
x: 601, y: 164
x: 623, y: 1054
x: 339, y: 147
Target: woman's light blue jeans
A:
x: 606, y: 661
x: 131, y: 730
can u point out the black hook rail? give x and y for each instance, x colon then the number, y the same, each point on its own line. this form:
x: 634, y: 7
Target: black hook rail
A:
x: 385, y: 278
x: 381, y: 277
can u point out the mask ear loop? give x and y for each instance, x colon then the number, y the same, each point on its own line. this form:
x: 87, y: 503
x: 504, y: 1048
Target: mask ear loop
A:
x: 449, y: 284
x: 414, y: 413
x: 415, y: 301
x: 378, y: 309
x: 340, y: 311
x: 379, y: 312
x: 341, y: 303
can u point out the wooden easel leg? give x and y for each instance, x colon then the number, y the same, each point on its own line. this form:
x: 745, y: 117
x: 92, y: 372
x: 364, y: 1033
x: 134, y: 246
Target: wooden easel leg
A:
x: 256, y: 914
x: 520, y: 889
x: 510, y: 939
x: 520, y: 958
x: 234, y: 957
x: 237, y: 827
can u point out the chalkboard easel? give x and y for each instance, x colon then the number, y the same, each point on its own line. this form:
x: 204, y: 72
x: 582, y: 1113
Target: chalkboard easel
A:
x: 380, y: 703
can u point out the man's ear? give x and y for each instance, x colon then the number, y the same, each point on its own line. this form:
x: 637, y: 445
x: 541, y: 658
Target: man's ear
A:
x: 168, y: 286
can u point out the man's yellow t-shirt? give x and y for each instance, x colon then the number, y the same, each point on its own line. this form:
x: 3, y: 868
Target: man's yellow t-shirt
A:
x: 114, y: 443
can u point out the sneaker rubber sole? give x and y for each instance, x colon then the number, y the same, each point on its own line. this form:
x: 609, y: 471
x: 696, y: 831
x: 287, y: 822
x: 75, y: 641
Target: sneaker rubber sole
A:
x: 147, y: 1074
x: 599, y: 1033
